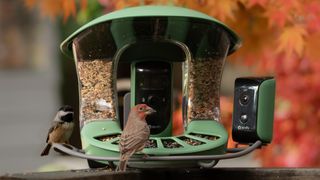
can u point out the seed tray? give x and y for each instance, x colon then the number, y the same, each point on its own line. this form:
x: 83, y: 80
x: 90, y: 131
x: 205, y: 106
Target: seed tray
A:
x: 190, y: 141
x: 107, y: 138
x: 151, y: 143
x: 209, y: 137
x: 170, y: 143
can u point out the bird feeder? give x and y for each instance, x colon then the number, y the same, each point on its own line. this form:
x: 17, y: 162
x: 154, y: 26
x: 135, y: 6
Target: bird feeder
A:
x: 152, y: 39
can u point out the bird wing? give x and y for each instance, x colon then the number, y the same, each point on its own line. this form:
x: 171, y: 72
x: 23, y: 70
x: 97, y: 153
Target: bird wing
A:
x: 134, y: 140
x: 52, y: 128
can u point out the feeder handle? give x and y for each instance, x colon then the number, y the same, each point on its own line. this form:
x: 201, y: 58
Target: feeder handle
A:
x: 77, y: 153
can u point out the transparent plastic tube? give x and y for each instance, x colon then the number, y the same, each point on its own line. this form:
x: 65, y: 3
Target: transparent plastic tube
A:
x: 204, y: 76
x: 96, y: 90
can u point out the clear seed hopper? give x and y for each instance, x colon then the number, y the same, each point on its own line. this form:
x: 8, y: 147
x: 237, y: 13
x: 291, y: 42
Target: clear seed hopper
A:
x: 152, y: 39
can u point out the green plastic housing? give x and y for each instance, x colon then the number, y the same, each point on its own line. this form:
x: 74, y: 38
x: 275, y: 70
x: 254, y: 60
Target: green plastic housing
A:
x: 129, y: 14
x: 180, y: 35
x: 266, y: 110
x: 216, y: 146
x: 208, y: 129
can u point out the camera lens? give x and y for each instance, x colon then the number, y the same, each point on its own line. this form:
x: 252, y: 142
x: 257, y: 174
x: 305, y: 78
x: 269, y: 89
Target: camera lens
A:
x: 244, y: 98
x: 243, y: 118
x: 154, y: 100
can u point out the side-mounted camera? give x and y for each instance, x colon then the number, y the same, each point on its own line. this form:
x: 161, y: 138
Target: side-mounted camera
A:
x: 253, y: 109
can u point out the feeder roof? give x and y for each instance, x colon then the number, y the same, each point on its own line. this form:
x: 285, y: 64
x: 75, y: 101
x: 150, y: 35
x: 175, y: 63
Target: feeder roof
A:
x: 151, y: 11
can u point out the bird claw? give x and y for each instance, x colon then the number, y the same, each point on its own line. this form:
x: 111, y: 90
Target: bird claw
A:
x: 145, y: 156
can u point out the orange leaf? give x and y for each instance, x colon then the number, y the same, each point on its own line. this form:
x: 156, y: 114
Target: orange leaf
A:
x: 312, y: 15
x: 276, y: 17
x: 124, y: 4
x: 69, y: 8
x: 312, y: 46
x: 223, y: 9
x: 282, y: 12
x: 50, y: 8
x: 292, y: 40
x: 199, y: 5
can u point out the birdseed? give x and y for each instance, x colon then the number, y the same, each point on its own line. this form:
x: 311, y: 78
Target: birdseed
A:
x: 97, y: 101
x: 190, y: 141
x: 151, y: 143
x: 107, y: 138
x: 209, y: 137
x: 170, y: 143
x: 204, y: 89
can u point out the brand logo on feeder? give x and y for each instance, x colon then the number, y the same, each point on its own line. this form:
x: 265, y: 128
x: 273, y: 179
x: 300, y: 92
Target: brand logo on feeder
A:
x: 243, y: 128
x: 154, y: 126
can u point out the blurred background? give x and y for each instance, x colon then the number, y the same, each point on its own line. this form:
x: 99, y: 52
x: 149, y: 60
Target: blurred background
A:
x: 280, y: 38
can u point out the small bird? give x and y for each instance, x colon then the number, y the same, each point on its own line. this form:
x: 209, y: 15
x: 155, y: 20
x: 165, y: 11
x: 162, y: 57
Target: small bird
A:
x: 61, y: 128
x: 135, y: 134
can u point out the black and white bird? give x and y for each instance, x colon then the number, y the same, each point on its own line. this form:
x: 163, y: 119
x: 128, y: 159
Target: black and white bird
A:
x: 61, y: 129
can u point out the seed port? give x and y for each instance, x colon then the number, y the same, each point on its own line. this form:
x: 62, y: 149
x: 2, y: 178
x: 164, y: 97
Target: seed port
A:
x: 190, y: 141
x: 151, y: 143
x: 106, y: 138
x: 115, y: 142
x: 170, y: 143
x: 205, y: 136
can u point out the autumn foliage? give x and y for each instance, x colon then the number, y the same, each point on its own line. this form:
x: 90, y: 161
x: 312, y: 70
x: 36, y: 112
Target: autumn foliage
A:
x: 280, y: 38
x: 54, y: 8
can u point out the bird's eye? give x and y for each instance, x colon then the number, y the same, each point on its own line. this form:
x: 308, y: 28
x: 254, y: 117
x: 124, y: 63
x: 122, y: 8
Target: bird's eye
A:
x: 140, y: 108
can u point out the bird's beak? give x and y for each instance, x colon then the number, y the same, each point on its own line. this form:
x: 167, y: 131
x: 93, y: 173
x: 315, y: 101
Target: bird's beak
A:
x: 150, y: 111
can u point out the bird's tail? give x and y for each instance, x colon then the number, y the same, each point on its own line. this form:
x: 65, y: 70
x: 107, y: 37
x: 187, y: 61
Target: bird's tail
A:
x: 124, y: 158
x: 122, y: 165
x: 46, y: 150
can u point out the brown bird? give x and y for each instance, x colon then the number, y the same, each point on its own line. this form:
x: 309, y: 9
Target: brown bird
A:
x: 135, y: 134
x: 61, y: 128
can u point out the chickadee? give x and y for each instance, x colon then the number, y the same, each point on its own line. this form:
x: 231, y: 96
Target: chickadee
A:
x: 61, y: 128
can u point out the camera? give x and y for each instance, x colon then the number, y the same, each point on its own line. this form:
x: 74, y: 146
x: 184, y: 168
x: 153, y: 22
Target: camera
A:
x: 253, y: 109
x: 153, y: 87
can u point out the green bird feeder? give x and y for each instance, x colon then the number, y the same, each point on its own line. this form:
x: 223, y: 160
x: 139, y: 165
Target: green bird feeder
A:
x: 152, y: 39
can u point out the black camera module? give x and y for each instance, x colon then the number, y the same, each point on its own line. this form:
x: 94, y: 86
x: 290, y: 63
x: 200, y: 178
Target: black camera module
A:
x: 252, y: 117
x: 154, y: 88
